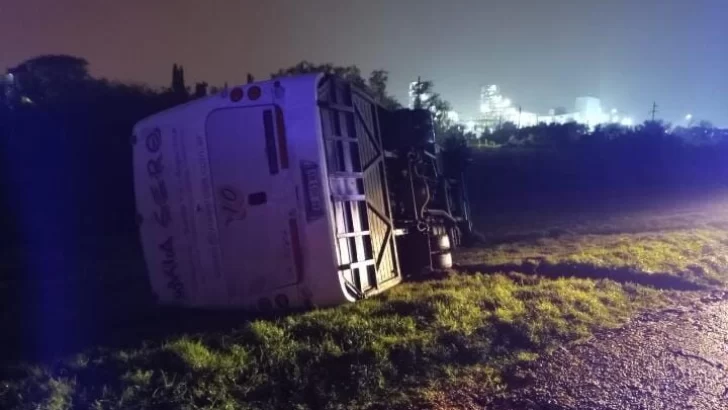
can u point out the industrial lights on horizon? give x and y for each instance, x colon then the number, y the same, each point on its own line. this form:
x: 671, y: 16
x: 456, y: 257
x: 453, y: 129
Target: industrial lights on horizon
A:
x: 496, y: 109
x: 453, y: 116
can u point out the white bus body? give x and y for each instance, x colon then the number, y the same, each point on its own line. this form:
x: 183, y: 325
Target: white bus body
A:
x: 266, y: 195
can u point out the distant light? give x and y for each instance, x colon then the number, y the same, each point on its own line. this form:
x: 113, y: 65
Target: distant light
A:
x: 614, y: 111
x: 26, y: 100
x: 470, y: 126
x: 627, y: 121
x: 689, y: 117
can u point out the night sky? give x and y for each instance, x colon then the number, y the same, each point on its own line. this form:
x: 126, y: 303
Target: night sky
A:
x: 543, y: 54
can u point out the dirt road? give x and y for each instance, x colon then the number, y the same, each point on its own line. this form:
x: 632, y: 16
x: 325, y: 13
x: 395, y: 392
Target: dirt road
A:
x: 673, y: 359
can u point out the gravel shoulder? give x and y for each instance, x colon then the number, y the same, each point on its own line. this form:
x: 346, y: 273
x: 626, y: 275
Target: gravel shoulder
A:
x: 672, y: 359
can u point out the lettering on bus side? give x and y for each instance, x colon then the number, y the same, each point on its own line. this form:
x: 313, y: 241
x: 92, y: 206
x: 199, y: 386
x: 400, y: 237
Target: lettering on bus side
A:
x: 163, y: 215
x: 312, y: 190
x: 155, y: 170
x: 169, y: 267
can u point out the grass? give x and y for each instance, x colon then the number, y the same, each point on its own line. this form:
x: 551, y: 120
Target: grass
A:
x: 690, y: 246
x: 430, y: 344
x: 403, y: 348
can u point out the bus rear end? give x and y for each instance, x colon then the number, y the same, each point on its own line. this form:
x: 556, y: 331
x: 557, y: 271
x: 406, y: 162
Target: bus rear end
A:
x: 268, y: 198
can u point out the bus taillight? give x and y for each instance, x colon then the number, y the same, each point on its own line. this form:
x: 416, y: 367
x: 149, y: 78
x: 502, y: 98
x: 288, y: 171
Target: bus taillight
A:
x: 254, y: 93
x: 236, y: 94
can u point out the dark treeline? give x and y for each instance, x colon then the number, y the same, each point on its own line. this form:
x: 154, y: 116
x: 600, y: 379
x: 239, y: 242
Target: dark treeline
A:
x: 572, y: 163
x: 67, y: 203
x: 66, y: 170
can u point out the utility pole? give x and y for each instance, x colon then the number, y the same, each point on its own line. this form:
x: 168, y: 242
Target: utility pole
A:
x: 654, y: 111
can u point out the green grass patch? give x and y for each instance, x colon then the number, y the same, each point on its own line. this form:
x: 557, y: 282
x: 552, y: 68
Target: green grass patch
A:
x: 697, y: 255
x: 402, y: 348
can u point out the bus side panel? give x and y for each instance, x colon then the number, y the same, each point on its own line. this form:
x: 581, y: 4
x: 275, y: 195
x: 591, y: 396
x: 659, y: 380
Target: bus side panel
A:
x: 162, y: 201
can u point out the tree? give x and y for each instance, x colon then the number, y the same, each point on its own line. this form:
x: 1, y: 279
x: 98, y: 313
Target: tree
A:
x: 350, y: 73
x: 376, y: 87
x: 608, y: 132
x: 178, y: 80
x: 200, y: 89
x: 456, y: 153
x: 424, y: 97
x: 47, y: 78
x: 457, y: 131
x: 702, y: 133
x: 652, y: 129
x: 572, y: 132
x: 504, y: 133
x: 705, y: 124
x: 378, y: 80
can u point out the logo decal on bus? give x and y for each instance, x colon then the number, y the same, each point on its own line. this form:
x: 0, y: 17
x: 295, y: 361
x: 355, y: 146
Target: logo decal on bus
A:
x: 232, y: 204
x: 312, y: 190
